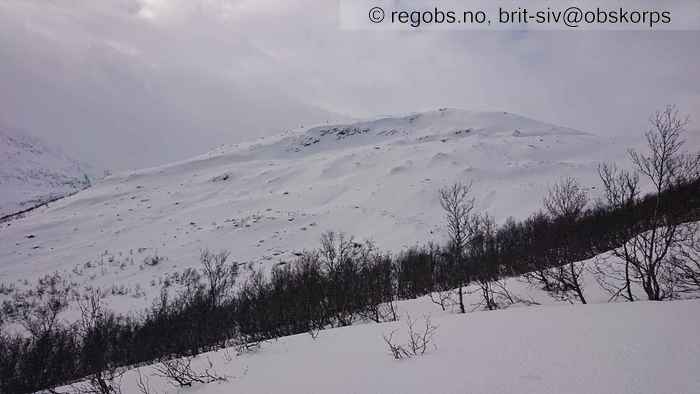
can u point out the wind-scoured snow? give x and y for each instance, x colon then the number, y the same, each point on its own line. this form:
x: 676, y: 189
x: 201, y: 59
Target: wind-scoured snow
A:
x: 32, y: 172
x: 269, y: 199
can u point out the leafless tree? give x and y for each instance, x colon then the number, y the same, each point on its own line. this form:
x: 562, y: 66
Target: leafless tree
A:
x: 541, y: 278
x: 220, y: 275
x: 242, y: 344
x: 562, y: 283
x: 686, y: 262
x: 443, y: 298
x: 380, y: 313
x: 419, y: 340
x: 91, y: 310
x: 622, y: 193
x: 441, y: 290
x: 335, y: 247
x: 483, y: 256
x: 496, y: 295
x: 180, y: 372
x: 566, y: 199
x: 458, y: 204
x: 666, y: 164
x: 341, y: 257
x: 38, y: 309
x: 648, y: 242
x: 621, y: 187
x: 565, y: 202
x: 105, y: 378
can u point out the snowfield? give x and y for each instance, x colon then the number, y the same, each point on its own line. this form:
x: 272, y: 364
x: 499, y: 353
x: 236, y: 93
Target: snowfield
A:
x: 635, y: 348
x: 267, y: 200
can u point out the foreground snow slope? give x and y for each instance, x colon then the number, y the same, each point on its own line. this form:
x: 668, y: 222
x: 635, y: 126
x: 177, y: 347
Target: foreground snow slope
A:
x: 268, y: 199
x: 32, y: 172
x: 639, y: 347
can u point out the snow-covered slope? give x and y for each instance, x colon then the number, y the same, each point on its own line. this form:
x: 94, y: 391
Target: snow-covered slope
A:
x: 639, y: 347
x: 269, y: 199
x: 32, y: 172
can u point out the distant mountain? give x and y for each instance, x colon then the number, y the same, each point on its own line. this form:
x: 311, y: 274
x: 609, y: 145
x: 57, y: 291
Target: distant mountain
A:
x: 32, y: 173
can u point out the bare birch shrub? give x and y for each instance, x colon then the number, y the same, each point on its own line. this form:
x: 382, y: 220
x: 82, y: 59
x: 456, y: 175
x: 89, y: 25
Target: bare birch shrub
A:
x: 420, y: 340
x: 180, y: 372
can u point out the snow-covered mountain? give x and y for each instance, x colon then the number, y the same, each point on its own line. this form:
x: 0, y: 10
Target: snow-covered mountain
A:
x: 267, y: 200
x: 32, y: 173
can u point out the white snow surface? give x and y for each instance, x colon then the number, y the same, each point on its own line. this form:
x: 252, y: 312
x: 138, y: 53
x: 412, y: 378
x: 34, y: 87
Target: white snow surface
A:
x: 269, y: 199
x: 31, y: 172
x: 635, y: 348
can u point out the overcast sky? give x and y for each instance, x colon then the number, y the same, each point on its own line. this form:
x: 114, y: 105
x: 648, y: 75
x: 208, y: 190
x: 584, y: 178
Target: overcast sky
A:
x: 132, y: 83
